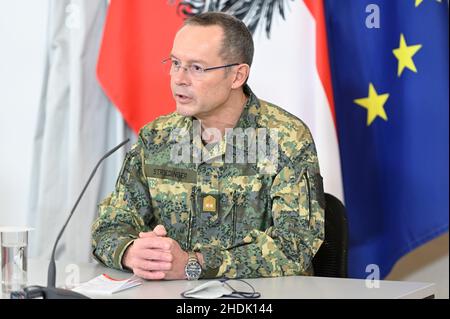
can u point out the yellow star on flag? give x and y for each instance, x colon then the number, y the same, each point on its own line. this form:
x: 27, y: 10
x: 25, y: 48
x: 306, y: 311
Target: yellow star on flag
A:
x: 418, y: 2
x: 374, y: 104
x: 404, y: 55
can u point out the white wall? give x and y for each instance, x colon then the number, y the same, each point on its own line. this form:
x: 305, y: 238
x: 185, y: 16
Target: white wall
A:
x: 22, y: 36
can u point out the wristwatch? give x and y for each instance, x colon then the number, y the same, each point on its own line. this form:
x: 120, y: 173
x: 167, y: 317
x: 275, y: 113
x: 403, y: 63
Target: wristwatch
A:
x: 193, y: 269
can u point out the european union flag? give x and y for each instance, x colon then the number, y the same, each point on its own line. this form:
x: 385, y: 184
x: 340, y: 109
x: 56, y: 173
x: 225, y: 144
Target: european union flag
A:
x: 389, y: 63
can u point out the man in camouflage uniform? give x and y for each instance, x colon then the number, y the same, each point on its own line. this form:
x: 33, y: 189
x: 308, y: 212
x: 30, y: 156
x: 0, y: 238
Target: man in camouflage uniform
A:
x: 180, y: 195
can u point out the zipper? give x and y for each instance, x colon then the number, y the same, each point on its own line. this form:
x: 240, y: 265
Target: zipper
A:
x: 191, y: 216
x: 309, y: 194
x: 234, y: 219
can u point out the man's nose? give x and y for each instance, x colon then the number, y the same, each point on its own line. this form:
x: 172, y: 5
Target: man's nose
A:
x: 182, y: 77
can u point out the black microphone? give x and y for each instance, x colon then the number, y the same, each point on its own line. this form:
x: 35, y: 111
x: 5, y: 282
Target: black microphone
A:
x: 51, y: 292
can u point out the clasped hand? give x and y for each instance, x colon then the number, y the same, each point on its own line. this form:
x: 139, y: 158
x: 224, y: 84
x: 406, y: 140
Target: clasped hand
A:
x: 154, y: 256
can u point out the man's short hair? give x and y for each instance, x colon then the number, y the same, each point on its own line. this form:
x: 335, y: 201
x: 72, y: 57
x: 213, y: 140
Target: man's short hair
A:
x: 237, y: 46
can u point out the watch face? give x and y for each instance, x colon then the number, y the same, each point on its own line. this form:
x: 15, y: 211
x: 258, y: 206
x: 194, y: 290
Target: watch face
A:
x: 193, y: 270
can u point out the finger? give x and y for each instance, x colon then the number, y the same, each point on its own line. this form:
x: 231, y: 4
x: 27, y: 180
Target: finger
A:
x: 155, y: 242
x: 151, y: 265
x: 150, y: 275
x: 148, y: 234
x: 159, y: 230
x: 156, y: 254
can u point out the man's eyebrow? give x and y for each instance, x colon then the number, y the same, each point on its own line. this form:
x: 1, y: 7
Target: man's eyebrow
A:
x: 189, y: 61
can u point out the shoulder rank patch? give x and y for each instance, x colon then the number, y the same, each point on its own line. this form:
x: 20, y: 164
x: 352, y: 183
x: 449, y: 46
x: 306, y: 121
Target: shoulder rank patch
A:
x: 209, y: 204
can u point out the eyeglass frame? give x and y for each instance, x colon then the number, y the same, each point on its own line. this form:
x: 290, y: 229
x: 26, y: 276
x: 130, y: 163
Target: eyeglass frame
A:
x: 204, y: 69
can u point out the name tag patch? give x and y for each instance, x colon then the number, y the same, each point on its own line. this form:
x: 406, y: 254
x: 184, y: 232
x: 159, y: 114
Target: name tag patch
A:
x: 175, y: 174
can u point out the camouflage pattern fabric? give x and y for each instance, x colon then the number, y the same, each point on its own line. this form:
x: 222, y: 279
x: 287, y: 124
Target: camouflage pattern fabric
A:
x: 248, y: 219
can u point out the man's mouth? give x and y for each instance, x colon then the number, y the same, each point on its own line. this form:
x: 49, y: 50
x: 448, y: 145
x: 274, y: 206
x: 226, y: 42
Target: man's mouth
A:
x: 183, y: 98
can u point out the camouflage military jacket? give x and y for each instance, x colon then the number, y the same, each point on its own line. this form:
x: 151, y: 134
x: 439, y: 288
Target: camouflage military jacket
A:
x: 258, y: 218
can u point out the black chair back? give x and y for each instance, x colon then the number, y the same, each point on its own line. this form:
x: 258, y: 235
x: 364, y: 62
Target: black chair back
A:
x: 331, y: 259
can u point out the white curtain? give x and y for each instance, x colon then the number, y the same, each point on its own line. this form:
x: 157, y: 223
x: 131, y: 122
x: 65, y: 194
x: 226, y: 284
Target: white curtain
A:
x: 76, y: 125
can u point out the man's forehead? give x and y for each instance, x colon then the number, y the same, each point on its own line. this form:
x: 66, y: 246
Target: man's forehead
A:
x: 188, y: 59
x: 197, y: 43
x: 208, y: 31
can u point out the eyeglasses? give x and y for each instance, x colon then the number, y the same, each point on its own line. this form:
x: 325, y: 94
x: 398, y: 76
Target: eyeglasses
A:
x: 195, y: 70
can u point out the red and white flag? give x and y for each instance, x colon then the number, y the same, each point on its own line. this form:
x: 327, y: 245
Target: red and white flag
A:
x: 290, y: 69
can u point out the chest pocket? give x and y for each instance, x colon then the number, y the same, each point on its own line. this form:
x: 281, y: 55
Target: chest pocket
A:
x: 170, y: 190
x: 248, y: 204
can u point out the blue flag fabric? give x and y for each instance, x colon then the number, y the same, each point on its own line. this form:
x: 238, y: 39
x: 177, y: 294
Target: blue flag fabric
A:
x: 389, y: 64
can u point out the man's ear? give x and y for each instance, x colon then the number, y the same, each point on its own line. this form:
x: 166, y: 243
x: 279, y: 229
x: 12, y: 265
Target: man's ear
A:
x: 243, y: 70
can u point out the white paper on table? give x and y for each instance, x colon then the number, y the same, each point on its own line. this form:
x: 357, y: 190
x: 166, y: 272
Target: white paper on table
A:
x: 104, y: 284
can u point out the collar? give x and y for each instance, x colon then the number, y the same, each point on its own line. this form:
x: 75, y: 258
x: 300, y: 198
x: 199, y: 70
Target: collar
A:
x: 200, y: 153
